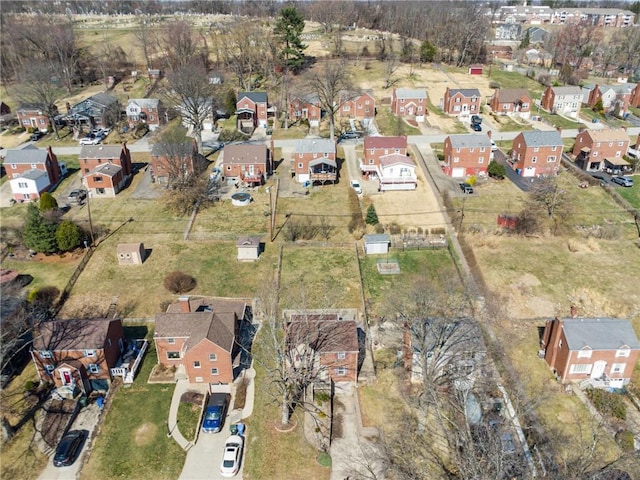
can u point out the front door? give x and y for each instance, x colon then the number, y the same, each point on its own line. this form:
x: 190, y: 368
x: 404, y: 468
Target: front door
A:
x: 65, y: 376
x: 598, y: 369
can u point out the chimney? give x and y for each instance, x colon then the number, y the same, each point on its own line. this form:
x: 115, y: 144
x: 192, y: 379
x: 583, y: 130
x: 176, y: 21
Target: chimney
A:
x: 185, y: 307
x: 489, y: 134
x: 559, y: 130
x: 574, y: 311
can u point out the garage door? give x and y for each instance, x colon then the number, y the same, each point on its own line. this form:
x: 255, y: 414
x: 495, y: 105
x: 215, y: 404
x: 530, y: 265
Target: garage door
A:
x: 529, y: 172
x: 457, y: 173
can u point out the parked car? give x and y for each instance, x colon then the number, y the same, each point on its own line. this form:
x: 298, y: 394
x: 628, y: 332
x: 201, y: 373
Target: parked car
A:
x: 476, y: 119
x: 90, y: 140
x: 232, y: 456
x: 599, y: 176
x: 466, y: 188
x: 356, y: 186
x: 35, y: 136
x: 77, y: 196
x: 476, y: 127
x: 494, y: 147
x: 68, y: 448
x: 216, y: 410
x: 624, y: 181
x: 350, y: 134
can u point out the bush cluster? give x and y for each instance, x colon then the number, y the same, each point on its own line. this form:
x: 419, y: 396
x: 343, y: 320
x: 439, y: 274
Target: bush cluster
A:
x: 179, y: 282
x: 608, y: 403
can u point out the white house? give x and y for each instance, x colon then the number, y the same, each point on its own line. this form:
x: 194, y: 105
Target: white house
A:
x: 397, y: 172
x: 29, y: 185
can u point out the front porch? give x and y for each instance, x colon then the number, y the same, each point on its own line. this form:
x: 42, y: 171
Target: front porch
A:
x: 323, y: 170
x: 130, y: 360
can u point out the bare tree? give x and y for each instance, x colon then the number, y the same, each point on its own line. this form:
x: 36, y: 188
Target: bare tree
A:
x: 181, y: 46
x: 179, y: 159
x: 327, y: 83
x: 391, y: 66
x: 145, y: 35
x: 110, y: 59
x: 554, y: 199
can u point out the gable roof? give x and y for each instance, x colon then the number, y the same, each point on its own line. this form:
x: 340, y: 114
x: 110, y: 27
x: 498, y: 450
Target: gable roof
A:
x: 244, y: 153
x: 567, y: 90
x: 395, y: 159
x: 33, y: 174
x: 250, y: 241
x: 78, y: 334
x: 25, y: 155
x: 256, y: 97
x: 101, y: 151
x: 608, y: 135
x: 465, y: 92
x: 469, y: 140
x: 385, y: 142
x: 144, y: 102
x: 411, y: 93
x: 318, y: 145
x: 538, y: 138
x: 106, y: 169
x: 185, y: 149
x: 599, y: 333
x: 219, y: 328
x: 511, y: 95
x: 324, y: 331
x: 377, y: 238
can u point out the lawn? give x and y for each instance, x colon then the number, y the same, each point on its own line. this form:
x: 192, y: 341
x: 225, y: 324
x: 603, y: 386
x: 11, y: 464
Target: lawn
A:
x: 515, y: 80
x: 558, y: 120
x: 390, y: 125
x: 611, y: 121
x: 631, y: 194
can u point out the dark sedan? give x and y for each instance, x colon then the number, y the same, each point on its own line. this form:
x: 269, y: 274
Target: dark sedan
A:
x: 68, y: 448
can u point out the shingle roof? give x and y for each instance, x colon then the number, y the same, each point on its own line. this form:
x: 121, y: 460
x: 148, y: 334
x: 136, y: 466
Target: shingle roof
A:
x: 470, y: 140
x: 251, y: 241
x: 34, y: 174
x: 394, y: 159
x: 160, y: 149
x: 608, y: 135
x: 320, y: 145
x: 244, y: 153
x: 219, y: 328
x: 411, y: 93
x: 107, y: 169
x: 71, y: 334
x: 324, y: 335
x: 512, y: 95
x: 377, y: 238
x: 465, y: 92
x: 599, y: 333
x: 569, y: 90
x: 385, y: 142
x: 25, y: 155
x: 100, y: 151
x: 538, y: 138
x: 144, y: 102
x: 256, y: 97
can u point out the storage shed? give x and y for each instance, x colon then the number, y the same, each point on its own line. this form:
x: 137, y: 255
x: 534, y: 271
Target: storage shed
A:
x: 475, y: 69
x: 376, y: 244
x: 130, y: 253
x: 248, y: 249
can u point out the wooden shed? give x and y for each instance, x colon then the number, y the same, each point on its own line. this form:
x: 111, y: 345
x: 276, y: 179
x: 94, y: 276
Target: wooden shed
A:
x: 248, y: 249
x: 376, y: 244
x: 130, y: 253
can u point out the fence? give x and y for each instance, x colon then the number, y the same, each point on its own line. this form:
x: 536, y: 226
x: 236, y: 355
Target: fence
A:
x: 409, y: 241
x: 72, y: 281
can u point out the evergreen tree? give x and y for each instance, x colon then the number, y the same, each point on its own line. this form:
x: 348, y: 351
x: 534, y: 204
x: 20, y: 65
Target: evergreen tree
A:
x: 68, y: 236
x: 496, y: 170
x: 39, y: 232
x: 47, y: 202
x: 372, y: 216
x: 427, y: 52
x: 526, y: 40
x: 288, y: 29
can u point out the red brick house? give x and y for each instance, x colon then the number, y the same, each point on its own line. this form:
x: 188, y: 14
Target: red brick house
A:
x: 315, y: 161
x: 377, y: 147
x: 535, y: 153
x: 466, y: 155
x: 305, y: 107
x: 600, y: 351
x: 593, y: 147
x: 324, y: 342
x: 199, y: 336
x: 78, y: 353
x: 246, y: 163
x: 103, y: 181
x: 359, y: 106
x: 145, y: 110
x: 252, y: 110
x: 635, y: 96
x: 511, y: 101
x: 33, y: 116
x: 562, y: 100
x: 176, y: 162
x: 461, y: 101
x: 409, y: 103
x: 32, y: 171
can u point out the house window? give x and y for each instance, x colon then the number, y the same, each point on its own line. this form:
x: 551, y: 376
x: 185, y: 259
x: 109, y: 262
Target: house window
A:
x: 173, y: 355
x: 213, y: 357
x: 214, y: 371
x: 534, y: 159
x: 623, y: 352
x: 33, y: 165
x: 100, y: 191
x: 620, y: 144
x: 482, y: 149
x: 49, y: 354
x: 458, y: 100
x: 581, y: 368
x: 594, y: 154
x: 49, y: 369
x: 551, y: 158
x: 300, y: 165
x: 171, y: 341
x: 401, y: 109
x: 196, y: 364
x: 93, y: 368
x: 13, y: 166
x: 456, y: 159
x: 584, y: 354
x: 536, y: 149
x: 22, y: 185
x: 199, y: 380
x: 617, y: 368
x: 341, y: 371
x: 341, y: 355
x: 554, y: 148
x: 90, y: 353
x: 480, y: 159
x: 97, y: 179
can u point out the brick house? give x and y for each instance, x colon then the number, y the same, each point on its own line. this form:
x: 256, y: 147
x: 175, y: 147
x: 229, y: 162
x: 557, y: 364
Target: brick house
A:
x: 615, y: 98
x: 562, y: 100
x: 535, y: 153
x: 324, y: 342
x: 178, y: 161
x: 246, y: 163
x: 315, y: 161
x: 360, y: 106
x: 635, y: 96
x: 466, y: 154
x: 33, y: 116
x: 593, y: 147
x: 600, y: 351
x: 305, y: 107
x: 32, y: 171
x: 377, y: 147
x: 461, y: 101
x: 78, y: 353
x: 145, y: 110
x: 511, y: 101
x: 409, y: 103
x: 101, y: 181
x: 252, y: 110
x: 99, y: 110
x: 199, y: 336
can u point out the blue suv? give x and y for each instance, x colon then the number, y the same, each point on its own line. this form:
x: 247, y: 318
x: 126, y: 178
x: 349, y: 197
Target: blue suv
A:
x: 213, y: 418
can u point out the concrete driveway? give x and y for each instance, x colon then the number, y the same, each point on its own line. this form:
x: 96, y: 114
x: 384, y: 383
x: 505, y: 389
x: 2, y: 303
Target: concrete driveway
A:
x: 204, y: 458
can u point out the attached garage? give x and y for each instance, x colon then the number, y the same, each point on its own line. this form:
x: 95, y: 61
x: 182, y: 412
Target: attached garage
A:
x: 529, y: 172
x: 458, y: 172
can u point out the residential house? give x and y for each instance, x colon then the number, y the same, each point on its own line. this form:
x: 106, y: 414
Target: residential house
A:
x: 314, y: 161
x: 197, y: 112
x: 361, y: 106
x: 305, y: 107
x: 599, y: 351
x: 536, y: 153
x: 615, y: 98
x: 467, y: 154
x: 536, y: 35
x: 502, y: 52
x: 508, y: 31
x: 324, y: 342
x: 252, y: 110
x: 246, y: 163
x: 145, y: 110
x: 199, y: 336
x: 154, y: 73
x: 461, y: 101
x: 78, y: 354
x: 562, y: 100
x: 99, y: 110
x: 511, y: 101
x: 171, y: 162
x: 409, y: 103
x: 32, y: 171
x: 377, y: 147
x: 396, y: 172
x: 635, y: 95
x: 34, y: 116
x: 101, y: 181
x: 593, y: 147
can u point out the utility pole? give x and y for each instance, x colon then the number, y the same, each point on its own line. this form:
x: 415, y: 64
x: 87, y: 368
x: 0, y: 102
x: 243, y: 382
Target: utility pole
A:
x: 268, y: 189
x: 464, y: 199
x: 89, y: 213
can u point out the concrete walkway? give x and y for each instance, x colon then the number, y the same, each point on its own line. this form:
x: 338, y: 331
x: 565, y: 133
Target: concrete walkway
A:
x: 182, y: 386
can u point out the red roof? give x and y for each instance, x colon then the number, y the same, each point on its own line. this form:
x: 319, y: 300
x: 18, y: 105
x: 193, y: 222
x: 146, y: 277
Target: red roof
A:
x: 385, y: 142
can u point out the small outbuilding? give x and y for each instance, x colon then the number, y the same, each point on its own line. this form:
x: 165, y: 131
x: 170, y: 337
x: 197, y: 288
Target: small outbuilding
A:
x: 130, y: 253
x: 375, y: 244
x: 249, y: 249
x: 475, y: 69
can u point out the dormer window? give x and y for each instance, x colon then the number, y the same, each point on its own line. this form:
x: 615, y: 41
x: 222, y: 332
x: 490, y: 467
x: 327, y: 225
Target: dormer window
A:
x: 585, y: 353
x: 623, y: 352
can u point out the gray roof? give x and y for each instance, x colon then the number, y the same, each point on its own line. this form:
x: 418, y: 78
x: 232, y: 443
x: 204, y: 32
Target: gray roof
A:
x: 100, y: 151
x: 377, y: 238
x: 162, y: 149
x: 319, y: 145
x: 599, y: 333
x: 145, y: 102
x: 411, y: 93
x: 108, y: 169
x: 250, y: 241
x: 569, y: 90
x: 34, y: 174
x: 257, y: 97
x: 465, y: 92
x: 71, y: 334
x: 25, y: 155
x: 538, y: 138
x: 470, y: 140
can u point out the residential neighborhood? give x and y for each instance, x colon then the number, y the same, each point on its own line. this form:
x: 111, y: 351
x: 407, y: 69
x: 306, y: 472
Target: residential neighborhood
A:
x: 324, y: 240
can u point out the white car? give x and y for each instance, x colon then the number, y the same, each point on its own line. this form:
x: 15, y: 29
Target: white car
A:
x: 232, y: 456
x: 91, y: 140
x: 356, y: 186
x: 494, y: 147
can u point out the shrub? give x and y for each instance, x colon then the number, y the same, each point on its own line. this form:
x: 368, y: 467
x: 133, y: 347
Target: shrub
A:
x: 68, y: 235
x: 624, y: 438
x: 141, y: 130
x: 179, y: 282
x: 496, y: 170
x: 47, y: 202
x: 394, y: 229
x: 372, y: 216
x: 379, y: 228
x: 494, y: 84
x: 608, y: 403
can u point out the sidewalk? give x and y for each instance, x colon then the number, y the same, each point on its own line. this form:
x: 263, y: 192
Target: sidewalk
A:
x: 182, y: 386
